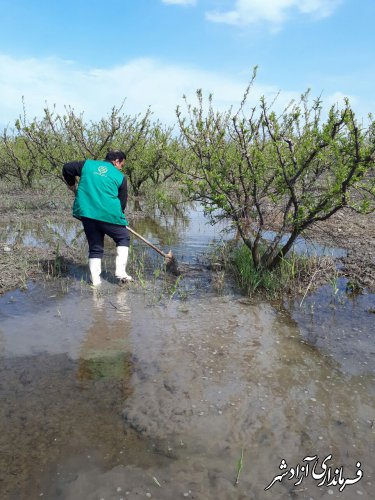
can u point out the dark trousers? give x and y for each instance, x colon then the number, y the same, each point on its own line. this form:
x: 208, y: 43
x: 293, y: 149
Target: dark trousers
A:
x: 95, y: 230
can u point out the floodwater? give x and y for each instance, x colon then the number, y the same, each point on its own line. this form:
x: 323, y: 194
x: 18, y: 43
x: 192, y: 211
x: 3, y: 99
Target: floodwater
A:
x: 184, y: 389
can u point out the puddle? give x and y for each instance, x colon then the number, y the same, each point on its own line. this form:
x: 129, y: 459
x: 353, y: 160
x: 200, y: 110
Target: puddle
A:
x: 308, y: 247
x: 40, y: 235
x: 104, y: 396
x: 340, y: 325
x: 190, y: 235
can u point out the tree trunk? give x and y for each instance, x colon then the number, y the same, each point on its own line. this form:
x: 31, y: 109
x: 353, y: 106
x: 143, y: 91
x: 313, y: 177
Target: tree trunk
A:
x: 256, y: 255
x: 275, y: 261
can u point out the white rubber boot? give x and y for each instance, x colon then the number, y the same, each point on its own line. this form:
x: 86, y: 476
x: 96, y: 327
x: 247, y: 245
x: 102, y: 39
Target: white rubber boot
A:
x: 121, y: 261
x: 95, y: 266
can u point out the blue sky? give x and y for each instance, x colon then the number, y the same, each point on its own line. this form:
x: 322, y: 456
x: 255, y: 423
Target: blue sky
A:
x: 93, y: 55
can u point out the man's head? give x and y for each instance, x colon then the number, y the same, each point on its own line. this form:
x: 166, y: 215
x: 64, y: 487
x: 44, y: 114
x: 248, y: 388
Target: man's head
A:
x: 117, y: 158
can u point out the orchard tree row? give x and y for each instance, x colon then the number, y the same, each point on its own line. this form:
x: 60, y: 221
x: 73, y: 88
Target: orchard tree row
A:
x: 270, y: 175
x: 39, y: 148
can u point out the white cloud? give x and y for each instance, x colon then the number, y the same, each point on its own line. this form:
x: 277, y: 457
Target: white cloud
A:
x: 275, y: 12
x: 180, y: 2
x: 143, y: 82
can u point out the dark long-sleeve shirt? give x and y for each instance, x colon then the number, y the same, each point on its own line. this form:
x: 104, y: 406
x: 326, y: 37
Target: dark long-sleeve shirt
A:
x: 73, y: 169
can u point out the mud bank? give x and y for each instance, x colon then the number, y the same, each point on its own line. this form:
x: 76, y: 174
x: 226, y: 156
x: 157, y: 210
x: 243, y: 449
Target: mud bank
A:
x: 355, y: 233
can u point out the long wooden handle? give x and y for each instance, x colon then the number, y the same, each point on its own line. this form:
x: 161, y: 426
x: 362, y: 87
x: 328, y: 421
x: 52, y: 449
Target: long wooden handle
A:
x: 146, y: 241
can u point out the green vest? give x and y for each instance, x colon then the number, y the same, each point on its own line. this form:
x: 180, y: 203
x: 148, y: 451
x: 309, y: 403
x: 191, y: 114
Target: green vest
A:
x: 97, y: 193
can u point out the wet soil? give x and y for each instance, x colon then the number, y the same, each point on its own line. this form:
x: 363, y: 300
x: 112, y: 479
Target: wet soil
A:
x: 355, y: 233
x: 21, y: 260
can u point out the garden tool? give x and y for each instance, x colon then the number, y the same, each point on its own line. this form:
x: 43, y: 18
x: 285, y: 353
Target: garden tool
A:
x: 169, y: 260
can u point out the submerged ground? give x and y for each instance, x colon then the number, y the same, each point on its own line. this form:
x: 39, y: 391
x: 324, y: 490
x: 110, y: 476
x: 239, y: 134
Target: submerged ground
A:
x: 158, y: 389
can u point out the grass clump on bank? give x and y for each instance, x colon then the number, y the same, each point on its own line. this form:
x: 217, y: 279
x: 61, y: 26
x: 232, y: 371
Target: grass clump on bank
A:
x: 20, y: 265
x: 296, y: 274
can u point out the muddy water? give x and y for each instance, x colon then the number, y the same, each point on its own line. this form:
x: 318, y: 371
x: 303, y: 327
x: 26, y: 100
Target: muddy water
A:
x: 116, y: 395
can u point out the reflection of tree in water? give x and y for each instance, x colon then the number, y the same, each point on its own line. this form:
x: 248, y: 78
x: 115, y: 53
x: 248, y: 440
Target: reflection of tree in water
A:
x: 166, y: 229
x: 43, y: 234
x: 105, y: 351
x: 154, y: 231
x: 163, y: 224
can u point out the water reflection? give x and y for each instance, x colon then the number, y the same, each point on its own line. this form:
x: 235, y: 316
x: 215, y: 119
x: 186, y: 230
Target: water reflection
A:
x: 160, y: 233
x: 42, y: 234
x: 65, y: 370
x: 104, y: 351
x: 189, y: 238
x: 195, y: 382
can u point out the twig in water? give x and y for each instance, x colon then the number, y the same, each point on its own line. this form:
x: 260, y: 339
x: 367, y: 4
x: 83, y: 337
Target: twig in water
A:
x: 156, y: 481
x: 307, y: 289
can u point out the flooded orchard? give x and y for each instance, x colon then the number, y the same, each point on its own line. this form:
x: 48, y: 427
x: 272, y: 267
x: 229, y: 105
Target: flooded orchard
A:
x: 115, y: 394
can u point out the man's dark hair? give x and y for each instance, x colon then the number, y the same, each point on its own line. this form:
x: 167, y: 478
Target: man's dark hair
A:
x: 115, y: 155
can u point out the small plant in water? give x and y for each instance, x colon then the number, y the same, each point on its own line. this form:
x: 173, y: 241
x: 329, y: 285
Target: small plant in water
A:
x: 57, y: 262
x: 239, y: 468
x: 218, y: 281
x: 353, y: 288
x: 173, y: 289
x: 140, y: 276
x: 334, y: 284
